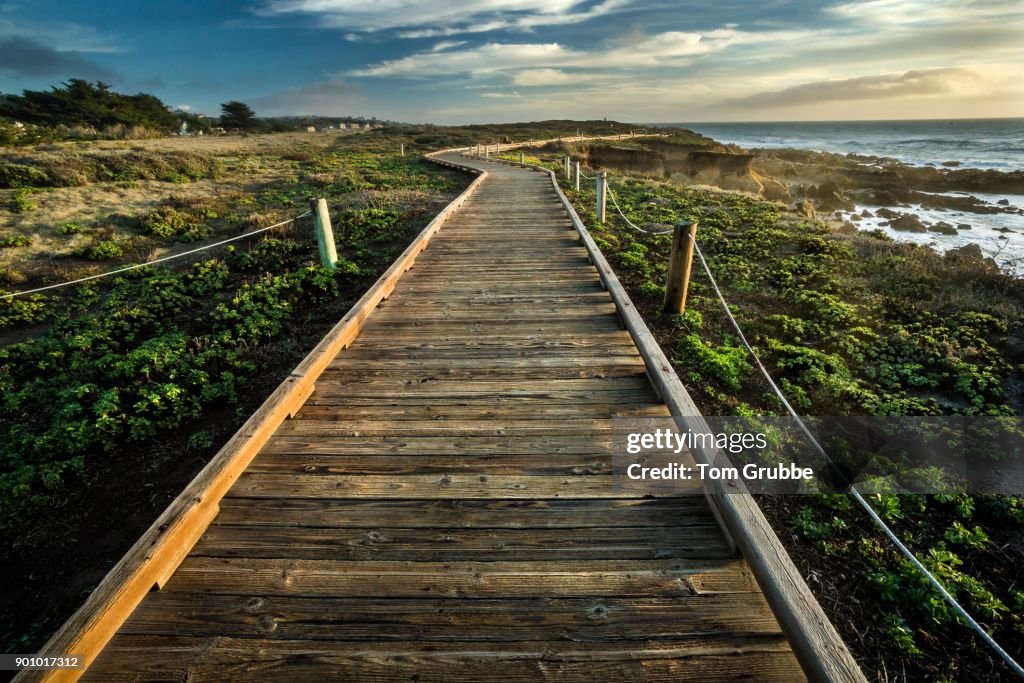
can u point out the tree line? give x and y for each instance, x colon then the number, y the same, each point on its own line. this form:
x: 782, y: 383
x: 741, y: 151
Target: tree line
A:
x: 79, y: 102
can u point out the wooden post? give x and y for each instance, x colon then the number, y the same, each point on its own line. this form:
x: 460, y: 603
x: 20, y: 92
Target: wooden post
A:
x: 324, y: 233
x: 577, y: 176
x: 679, y: 265
x: 401, y: 148
x: 487, y: 151
x: 522, y: 157
x: 567, y: 176
x: 602, y: 189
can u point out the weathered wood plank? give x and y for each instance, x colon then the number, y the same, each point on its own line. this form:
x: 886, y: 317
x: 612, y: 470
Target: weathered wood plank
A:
x: 443, y: 386
x: 540, y: 398
x: 553, y: 368
x: 463, y: 514
x: 445, y: 620
x: 689, y: 540
x: 453, y: 485
x: 373, y: 410
x: 449, y: 428
x: 374, y: 578
x: 399, y: 465
x: 441, y: 445
x: 200, y: 660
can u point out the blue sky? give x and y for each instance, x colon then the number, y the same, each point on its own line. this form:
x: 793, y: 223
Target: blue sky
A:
x: 515, y: 60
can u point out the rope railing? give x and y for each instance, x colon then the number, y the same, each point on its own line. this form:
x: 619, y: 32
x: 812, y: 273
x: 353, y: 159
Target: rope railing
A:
x: 630, y: 223
x: 851, y: 489
x: 163, y: 259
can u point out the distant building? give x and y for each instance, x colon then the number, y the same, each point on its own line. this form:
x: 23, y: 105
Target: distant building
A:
x: 310, y: 129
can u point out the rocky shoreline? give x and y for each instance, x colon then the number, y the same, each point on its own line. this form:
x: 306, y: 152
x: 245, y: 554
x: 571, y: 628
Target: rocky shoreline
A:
x: 975, y: 211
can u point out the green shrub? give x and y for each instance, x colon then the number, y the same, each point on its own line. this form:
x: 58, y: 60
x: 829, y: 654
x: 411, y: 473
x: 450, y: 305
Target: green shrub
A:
x: 21, y: 176
x: 12, y: 241
x: 727, y: 364
x: 22, y: 202
x: 104, y: 250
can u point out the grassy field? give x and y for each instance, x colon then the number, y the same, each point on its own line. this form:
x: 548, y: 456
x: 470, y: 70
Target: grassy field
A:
x: 848, y: 324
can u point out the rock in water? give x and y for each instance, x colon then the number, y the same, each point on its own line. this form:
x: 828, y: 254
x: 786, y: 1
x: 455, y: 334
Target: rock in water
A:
x: 907, y: 222
x: 943, y: 228
x: 1003, y: 202
x: 963, y: 226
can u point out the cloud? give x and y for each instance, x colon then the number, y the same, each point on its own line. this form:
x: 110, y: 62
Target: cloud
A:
x: 924, y: 12
x: 183, y: 107
x: 333, y: 97
x: 500, y: 95
x: 27, y: 57
x: 419, y: 19
x: 919, y: 82
x: 447, y: 45
x: 672, y: 48
x: 535, y: 77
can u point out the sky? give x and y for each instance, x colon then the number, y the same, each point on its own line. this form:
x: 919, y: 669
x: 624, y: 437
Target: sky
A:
x: 425, y: 61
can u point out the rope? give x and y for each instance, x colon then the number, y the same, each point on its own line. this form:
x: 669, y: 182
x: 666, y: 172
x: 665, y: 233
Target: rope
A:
x: 952, y: 601
x: 629, y: 222
x: 136, y: 266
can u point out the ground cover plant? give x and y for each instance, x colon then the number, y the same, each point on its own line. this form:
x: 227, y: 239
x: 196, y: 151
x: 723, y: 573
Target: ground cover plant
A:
x: 848, y: 324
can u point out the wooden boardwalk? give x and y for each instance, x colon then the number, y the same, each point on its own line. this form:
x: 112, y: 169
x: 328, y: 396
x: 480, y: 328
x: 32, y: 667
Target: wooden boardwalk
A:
x: 441, y: 507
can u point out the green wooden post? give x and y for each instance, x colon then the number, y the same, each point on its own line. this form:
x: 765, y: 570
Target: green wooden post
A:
x: 324, y: 233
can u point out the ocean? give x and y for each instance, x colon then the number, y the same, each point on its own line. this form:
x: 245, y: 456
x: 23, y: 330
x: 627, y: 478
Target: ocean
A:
x: 975, y: 143
x: 996, y: 144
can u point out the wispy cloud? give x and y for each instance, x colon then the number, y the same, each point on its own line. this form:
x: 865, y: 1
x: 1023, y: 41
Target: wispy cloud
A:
x: 540, y: 77
x: 419, y: 19
x: 880, y: 86
x: 924, y: 12
x: 673, y: 48
x: 447, y: 45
